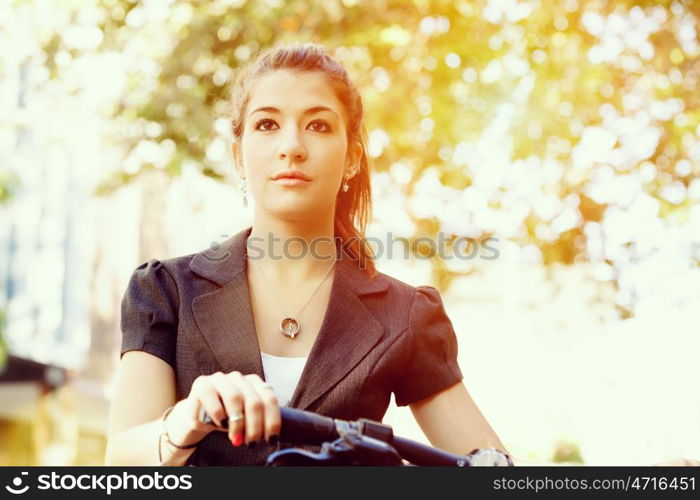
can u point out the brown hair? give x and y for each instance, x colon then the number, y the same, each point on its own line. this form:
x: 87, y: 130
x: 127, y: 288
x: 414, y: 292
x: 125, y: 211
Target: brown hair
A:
x: 353, y: 208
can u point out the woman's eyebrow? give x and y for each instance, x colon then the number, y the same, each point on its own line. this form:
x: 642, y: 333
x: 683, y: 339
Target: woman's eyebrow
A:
x: 309, y: 111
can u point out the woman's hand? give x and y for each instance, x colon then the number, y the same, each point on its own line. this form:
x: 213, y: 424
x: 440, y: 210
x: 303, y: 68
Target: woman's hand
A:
x: 249, y: 404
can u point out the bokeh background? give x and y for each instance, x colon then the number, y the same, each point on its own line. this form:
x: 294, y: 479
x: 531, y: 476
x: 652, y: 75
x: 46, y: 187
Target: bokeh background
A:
x: 566, y: 130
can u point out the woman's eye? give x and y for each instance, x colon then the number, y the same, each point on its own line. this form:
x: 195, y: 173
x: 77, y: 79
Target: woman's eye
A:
x: 323, y: 126
x: 261, y: 122
x: 266, y: 124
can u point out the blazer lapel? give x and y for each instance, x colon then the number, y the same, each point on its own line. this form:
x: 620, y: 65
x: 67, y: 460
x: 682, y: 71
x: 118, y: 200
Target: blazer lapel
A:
x: 225, y: 317
x: 348, y: 332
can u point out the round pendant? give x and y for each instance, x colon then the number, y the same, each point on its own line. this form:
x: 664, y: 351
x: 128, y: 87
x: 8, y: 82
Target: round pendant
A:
x: 289, y: 327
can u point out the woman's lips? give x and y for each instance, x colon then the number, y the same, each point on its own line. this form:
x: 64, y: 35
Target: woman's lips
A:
x: 290, y: 181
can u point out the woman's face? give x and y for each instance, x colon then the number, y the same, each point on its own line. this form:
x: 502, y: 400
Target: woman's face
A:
x: 294, y: 123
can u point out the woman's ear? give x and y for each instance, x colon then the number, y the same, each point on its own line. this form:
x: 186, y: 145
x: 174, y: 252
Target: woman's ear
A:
x: 237, y: 160
x: 354, y: 157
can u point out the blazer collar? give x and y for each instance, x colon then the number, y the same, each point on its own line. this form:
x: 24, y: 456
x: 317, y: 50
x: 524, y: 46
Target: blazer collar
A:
x: 225, y: 317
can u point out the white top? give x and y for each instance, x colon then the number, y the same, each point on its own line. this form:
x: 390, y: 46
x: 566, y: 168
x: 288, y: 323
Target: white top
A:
x: 283, y: 373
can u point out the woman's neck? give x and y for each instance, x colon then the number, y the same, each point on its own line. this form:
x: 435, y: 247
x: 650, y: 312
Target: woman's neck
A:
x: 292, y: 251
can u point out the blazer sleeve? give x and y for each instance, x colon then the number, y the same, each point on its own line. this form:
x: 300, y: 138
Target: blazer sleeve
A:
x: 430, y: 359
x: 149, y: 312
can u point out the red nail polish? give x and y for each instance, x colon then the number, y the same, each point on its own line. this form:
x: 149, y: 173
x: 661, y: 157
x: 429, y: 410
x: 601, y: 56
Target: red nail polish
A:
x: 237, y: 439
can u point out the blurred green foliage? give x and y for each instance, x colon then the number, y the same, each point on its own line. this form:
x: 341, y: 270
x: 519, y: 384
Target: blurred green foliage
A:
x: 8, y: 186
x: 567, y: 452
x: 435, y: 75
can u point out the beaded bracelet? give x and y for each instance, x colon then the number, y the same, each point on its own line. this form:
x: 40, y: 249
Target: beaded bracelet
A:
x: 168, y: 440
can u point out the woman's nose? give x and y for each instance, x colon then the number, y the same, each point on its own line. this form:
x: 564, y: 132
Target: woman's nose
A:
x: 292, y: 147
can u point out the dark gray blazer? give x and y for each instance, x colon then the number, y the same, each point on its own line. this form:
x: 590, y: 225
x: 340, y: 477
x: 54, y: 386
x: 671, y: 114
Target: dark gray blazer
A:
x: 378, y: 337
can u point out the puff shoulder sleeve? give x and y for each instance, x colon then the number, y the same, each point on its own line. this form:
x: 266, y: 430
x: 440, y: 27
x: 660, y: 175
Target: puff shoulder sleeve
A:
x: 430, y: 358
x: 149, y: 312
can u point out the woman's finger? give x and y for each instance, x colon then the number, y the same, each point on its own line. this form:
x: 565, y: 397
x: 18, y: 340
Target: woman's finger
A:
x: 192, y: 408
x: 233, y: 400
x: 207, y: 396
x: 253, y: 410
x: 273, y: 417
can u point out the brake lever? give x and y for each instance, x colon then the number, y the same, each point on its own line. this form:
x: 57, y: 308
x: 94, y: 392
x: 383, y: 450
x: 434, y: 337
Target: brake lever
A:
x: 352, y: 448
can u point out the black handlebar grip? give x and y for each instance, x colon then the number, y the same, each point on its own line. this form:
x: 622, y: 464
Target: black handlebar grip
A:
x: 303, y: 427
x: 298, y: 426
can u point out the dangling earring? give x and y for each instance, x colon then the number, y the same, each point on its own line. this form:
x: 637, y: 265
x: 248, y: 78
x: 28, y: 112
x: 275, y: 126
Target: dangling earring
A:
x: 245, y: 194
x: 346, y: 186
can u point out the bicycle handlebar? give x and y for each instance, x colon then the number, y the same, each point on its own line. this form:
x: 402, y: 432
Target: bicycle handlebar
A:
x: 301, y: 427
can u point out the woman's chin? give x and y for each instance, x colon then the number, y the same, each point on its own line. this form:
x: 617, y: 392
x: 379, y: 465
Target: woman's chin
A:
x: 289, y: 211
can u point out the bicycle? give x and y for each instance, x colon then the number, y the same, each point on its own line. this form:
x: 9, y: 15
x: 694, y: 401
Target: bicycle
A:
x: 361, y: 442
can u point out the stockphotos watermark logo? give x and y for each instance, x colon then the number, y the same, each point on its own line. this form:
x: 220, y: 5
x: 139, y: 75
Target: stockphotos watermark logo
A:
x: 101, y: 482
x: 18, y: 487
x: 443, y: 246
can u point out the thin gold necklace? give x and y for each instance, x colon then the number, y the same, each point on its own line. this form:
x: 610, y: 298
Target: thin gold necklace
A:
x: 289, y: 326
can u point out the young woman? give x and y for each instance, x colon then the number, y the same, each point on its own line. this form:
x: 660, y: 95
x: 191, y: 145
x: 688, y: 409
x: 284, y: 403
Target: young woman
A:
x: 290, y: 311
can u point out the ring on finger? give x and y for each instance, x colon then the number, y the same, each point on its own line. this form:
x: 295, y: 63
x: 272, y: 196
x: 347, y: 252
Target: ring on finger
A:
x: 235, y: 417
